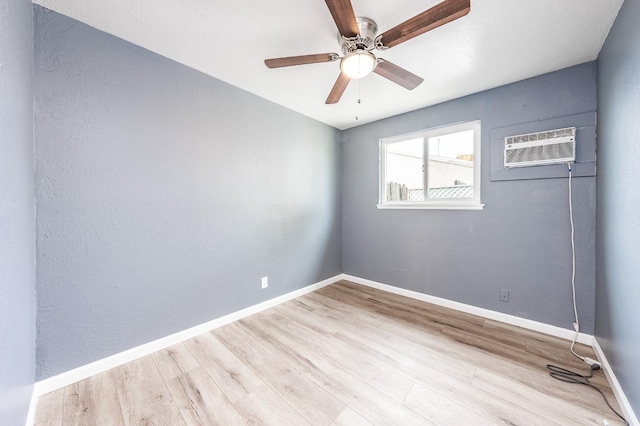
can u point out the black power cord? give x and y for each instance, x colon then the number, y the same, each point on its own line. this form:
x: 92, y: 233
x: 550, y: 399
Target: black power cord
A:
x: 569, y: 376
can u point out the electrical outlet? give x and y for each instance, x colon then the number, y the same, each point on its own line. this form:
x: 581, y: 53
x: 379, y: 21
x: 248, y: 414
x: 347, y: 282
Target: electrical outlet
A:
x: 504, y: 295
x: 265, y: 282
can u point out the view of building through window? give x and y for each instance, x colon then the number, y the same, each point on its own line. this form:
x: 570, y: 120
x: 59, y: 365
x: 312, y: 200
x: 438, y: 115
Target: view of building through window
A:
x: 404, y: 174
x: 449, y: 172
x: 451, y: 165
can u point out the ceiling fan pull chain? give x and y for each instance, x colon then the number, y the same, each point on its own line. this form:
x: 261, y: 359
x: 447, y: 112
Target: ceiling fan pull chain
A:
x: 358, y: 104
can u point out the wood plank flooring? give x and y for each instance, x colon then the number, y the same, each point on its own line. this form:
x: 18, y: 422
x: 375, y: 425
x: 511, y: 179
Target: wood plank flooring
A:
x: 343, y: 355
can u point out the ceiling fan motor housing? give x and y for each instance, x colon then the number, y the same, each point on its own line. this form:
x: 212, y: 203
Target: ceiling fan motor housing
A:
x: 363, y: 41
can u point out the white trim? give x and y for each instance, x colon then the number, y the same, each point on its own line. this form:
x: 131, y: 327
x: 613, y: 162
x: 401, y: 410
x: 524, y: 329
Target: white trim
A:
x: 31, y: 415
x: 431, y: 206
x: 551, y: 330
x: 56, y: 382
x: 61, y: 380
x: 627, y: 410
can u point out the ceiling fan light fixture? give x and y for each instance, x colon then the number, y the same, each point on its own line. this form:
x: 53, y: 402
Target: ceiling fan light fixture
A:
x: 358, y: 64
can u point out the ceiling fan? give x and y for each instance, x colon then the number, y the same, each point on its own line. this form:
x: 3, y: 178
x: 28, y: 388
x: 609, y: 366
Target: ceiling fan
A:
x: 358, y: 37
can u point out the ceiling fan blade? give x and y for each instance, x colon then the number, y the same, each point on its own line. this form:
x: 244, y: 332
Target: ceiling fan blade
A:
x: 438, y: 15
x: 338, y: 89
x: 343, y: 15
x: 397, y: 74
x: 301, y: 60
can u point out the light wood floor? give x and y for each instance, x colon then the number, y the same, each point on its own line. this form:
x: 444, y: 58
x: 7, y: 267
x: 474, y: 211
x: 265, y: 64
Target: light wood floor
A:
x: 343, y: 355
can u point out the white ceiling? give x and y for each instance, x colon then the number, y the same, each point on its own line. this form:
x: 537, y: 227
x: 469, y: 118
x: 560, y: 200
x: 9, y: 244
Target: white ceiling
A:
x: 498, y: 42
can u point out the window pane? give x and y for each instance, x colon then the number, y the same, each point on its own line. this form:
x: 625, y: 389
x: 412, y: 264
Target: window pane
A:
x: 404, y: 170
x: 450, y: 165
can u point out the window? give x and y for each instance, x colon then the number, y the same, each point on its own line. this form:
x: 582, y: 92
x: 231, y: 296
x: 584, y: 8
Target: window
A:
x: 444, y: 160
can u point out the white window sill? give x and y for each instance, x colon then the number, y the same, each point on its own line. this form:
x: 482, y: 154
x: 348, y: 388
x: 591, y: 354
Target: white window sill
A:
x: 432, y: 206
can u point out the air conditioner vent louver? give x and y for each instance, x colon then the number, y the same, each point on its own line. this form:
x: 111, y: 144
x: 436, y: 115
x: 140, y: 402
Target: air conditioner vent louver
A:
x: 535, y: 149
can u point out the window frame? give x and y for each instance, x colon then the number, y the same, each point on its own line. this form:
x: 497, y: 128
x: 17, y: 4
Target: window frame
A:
x: 461, y: 203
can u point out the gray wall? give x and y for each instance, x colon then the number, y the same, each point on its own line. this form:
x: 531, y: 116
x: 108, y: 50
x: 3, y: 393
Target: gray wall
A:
x: 618, y: 217
x: 17, y: 271
x: 519, y: 242
x: 164, y: 195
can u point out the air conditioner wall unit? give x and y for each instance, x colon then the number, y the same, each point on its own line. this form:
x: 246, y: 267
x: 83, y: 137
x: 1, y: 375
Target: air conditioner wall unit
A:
x: 542, y: 148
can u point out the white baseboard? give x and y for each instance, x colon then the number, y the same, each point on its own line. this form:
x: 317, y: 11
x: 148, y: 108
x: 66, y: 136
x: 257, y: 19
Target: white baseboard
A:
x: 564, y: 333
x: 61, y: 380
x: 31, y: 415
x: 552, y: 330
x: 627, y: 411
